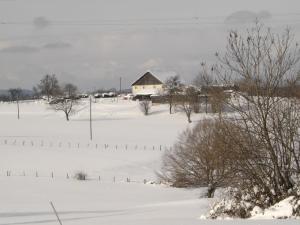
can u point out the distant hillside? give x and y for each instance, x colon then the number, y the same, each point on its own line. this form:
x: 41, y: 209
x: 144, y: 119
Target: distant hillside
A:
x: 25, y: 92
x: 247, y: 16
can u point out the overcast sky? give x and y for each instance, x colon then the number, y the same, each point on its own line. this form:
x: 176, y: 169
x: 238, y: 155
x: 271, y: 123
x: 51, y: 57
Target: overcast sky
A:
x: 94, y: 42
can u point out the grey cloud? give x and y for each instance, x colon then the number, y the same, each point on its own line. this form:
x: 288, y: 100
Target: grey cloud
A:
x: 19, y: 49
x: 247, y: 16
x: 57, y: 45
x: 41, y: 22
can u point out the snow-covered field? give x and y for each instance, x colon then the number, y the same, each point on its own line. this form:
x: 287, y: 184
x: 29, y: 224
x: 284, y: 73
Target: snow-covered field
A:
x: 42, y: 151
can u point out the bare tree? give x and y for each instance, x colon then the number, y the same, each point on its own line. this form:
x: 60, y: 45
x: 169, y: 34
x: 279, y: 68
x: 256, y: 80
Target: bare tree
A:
x: 145, y: 106
x: 172, y: 87
x: 70, y: 90
x: 187, y: 101
x: 217, y: 100
x: 36, y: 92
x: 16, y: 94
x: 49, y: 86
x: 267, y: 153
x: 205, y: 77
x: 198, y: 159
x: 68, y: 106
x: 204, y: 80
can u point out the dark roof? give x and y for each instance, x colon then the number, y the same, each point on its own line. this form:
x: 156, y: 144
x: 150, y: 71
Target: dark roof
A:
x: 147, y: 79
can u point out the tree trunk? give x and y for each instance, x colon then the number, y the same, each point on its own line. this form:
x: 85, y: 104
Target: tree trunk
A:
x: 211, y: 191
x: 206, y: 102
x: 67, y: 116
x: 189, y: 118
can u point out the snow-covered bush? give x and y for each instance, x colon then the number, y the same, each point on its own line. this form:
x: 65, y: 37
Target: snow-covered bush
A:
x: 255, y: 204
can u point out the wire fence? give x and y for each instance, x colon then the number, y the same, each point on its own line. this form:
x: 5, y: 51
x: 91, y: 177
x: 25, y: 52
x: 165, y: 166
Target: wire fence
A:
x: 79, y: 145
x: 77, y: 176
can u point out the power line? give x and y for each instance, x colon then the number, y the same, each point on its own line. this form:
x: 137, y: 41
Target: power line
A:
x: 178, y: 21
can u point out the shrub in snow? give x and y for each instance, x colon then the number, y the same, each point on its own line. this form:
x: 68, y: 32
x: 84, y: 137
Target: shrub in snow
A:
x: 145, y: 106
x: 80, y: 175
x: 197, y: 159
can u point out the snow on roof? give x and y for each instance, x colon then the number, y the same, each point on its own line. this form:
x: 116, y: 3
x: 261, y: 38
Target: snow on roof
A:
x: 147, y: 79
x: 160, y: 75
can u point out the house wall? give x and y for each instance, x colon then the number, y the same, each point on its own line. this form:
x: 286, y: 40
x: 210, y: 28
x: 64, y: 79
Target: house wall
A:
x: 147, y: 89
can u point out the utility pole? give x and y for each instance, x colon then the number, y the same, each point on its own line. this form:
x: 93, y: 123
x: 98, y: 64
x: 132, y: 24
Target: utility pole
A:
x: 91, y: 131
x: 120, y: 85
x: 18, y: 107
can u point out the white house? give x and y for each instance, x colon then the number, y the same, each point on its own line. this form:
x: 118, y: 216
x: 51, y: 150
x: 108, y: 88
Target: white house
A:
x: 148, y: 84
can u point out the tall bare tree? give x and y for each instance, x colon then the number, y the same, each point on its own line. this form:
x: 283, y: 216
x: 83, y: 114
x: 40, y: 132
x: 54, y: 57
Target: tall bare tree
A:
x: 70, y: 90
x: 49, y: 86
x: 187, y: 101
x: 172, y: 87
x: 265, y: 126
x: 204, y: 80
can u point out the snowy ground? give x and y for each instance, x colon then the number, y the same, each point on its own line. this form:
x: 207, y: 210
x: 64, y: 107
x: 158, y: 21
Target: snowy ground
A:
x: 126, y: 145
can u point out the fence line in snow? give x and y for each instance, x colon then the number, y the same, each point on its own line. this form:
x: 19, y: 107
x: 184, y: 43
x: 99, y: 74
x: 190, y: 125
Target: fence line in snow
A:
x: 71, y: 176
x: 79, y: 145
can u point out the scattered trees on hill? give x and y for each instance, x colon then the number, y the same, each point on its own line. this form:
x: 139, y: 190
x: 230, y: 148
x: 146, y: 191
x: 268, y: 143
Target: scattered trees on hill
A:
x: 15, y: 94
x: 65, y: 97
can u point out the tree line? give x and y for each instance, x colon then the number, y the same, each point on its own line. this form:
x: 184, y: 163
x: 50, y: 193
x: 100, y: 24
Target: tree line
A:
x: 60, y: 97
x: 205, y: 91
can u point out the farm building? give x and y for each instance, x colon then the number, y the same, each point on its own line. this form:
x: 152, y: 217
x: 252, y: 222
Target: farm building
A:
x: 147, y: 85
